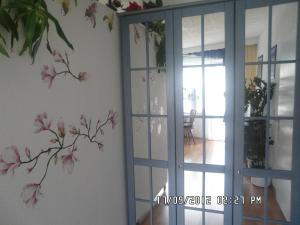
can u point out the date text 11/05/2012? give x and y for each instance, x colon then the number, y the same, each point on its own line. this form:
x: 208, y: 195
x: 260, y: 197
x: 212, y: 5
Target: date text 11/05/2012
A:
x: 209, y: 200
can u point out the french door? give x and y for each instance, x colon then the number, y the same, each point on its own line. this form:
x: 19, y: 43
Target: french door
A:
x: 204, y: 52
x: 200, y: 148
x: 267, y: 134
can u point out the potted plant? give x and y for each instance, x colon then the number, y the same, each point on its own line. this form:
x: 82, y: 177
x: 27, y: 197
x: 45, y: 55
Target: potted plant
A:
x: 256, y: 96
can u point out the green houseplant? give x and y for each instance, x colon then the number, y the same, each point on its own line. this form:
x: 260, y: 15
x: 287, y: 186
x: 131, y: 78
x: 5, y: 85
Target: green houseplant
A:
x: 34, y: 18
x: 256, y: 96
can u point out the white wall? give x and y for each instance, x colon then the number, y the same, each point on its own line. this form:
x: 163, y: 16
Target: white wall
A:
x: 94, y: 193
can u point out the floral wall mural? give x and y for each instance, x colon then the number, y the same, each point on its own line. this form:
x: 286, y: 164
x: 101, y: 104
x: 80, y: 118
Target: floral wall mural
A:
x: 59, y: 149
x: 90, y: 13
x: 49, y: 74
x: 51, y: 169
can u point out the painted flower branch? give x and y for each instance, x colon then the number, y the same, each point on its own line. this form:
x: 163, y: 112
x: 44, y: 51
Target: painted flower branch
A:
x: 49, y: 74
x: 60, y: 150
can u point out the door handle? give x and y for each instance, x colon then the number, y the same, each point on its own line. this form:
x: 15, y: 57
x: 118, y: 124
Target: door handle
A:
x: 180, y: 166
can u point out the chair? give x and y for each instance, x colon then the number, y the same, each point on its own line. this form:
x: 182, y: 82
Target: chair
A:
x: 188, y: 126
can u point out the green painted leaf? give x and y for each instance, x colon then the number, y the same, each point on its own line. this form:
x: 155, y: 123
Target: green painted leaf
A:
x: 3, y: 39
x: 35, y: 49
x: 59, y: 30
x: 7, y: 23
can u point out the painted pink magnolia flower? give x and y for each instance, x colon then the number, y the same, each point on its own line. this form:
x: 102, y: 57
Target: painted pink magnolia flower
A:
x: 58, y: 56
x: 31, y: 194
x: 83, y: 76
x: 9, y: 160
x: 41, y: 122
x: 83, y: 121
x: 68, y: 161
x: 90, y: 13
x: 113, y: 116
x: 48, y: 75
x: 73, y: 130
x: 61, y: 129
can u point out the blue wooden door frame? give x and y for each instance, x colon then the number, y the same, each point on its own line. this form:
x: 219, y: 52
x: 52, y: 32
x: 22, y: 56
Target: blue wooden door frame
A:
x: 235, y: 42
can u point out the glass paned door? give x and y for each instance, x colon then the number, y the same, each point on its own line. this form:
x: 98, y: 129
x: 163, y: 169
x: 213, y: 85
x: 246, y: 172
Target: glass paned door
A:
x: 211, y: 103
x: 148, y: 87
x: 266, y: 71
x: 204, y: 97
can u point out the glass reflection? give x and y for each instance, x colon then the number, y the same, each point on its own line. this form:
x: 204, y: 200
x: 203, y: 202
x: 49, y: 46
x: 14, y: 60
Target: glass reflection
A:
x: 192, y: 217
x: 159, y: 138
x: 215, y: 87
x: 281, y: 144
x: 157, y: 43
x: 140, y: 137
x: 281, y: 26
x: 214, y: 38
x: 158, y: 92
x: 142, y: 212
x: 139, y: 92
x: 256, y: 32
x: 193, y: 140
x: 191, y: 40
x: 137, y: 45
x: 279, y: 200
x: 142, y: 182
x: 214, y: 219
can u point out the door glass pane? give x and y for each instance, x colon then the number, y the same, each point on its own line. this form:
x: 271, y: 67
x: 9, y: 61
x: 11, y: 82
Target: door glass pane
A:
x: 139, y: 92
x: 142, y: 182
x: 158, y: 92
x: 281, y: 144
x: 282, y: 103
x: 214, y: 38
x: 279, y: 200
x: 137, y: 45
x: 214, y: 187
x: 284, y: 30
x: 214, y: 219
x: 192, y: 217
x: 193, y: 140
x: 254, y: 196
x: 215, y: 141
x: 256, y: 31
x: 160, y: 215
x: 191, y: 40
x: 256, y: 90
x: 255, y: 143
x: 157, y: 43
x: 142, y: 212
x: 193, y: 186
x: 140, y: 137
x: 192, y: 90
x: 160, y: 182
x: 159, y: 138
x: 215, y: 86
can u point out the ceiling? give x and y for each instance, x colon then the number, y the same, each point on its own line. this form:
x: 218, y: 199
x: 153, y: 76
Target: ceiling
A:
x: 256, y: 23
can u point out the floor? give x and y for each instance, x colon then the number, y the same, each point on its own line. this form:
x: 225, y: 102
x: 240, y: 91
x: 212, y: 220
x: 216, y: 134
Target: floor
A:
x: 193, y: 186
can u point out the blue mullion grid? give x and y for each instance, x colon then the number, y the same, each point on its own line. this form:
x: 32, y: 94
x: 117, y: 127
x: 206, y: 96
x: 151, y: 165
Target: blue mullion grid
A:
x: 149, y: 118
x: 203, y: 113
x: 266, y: 191
x: 144, y: 68
x: 204, y: 210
